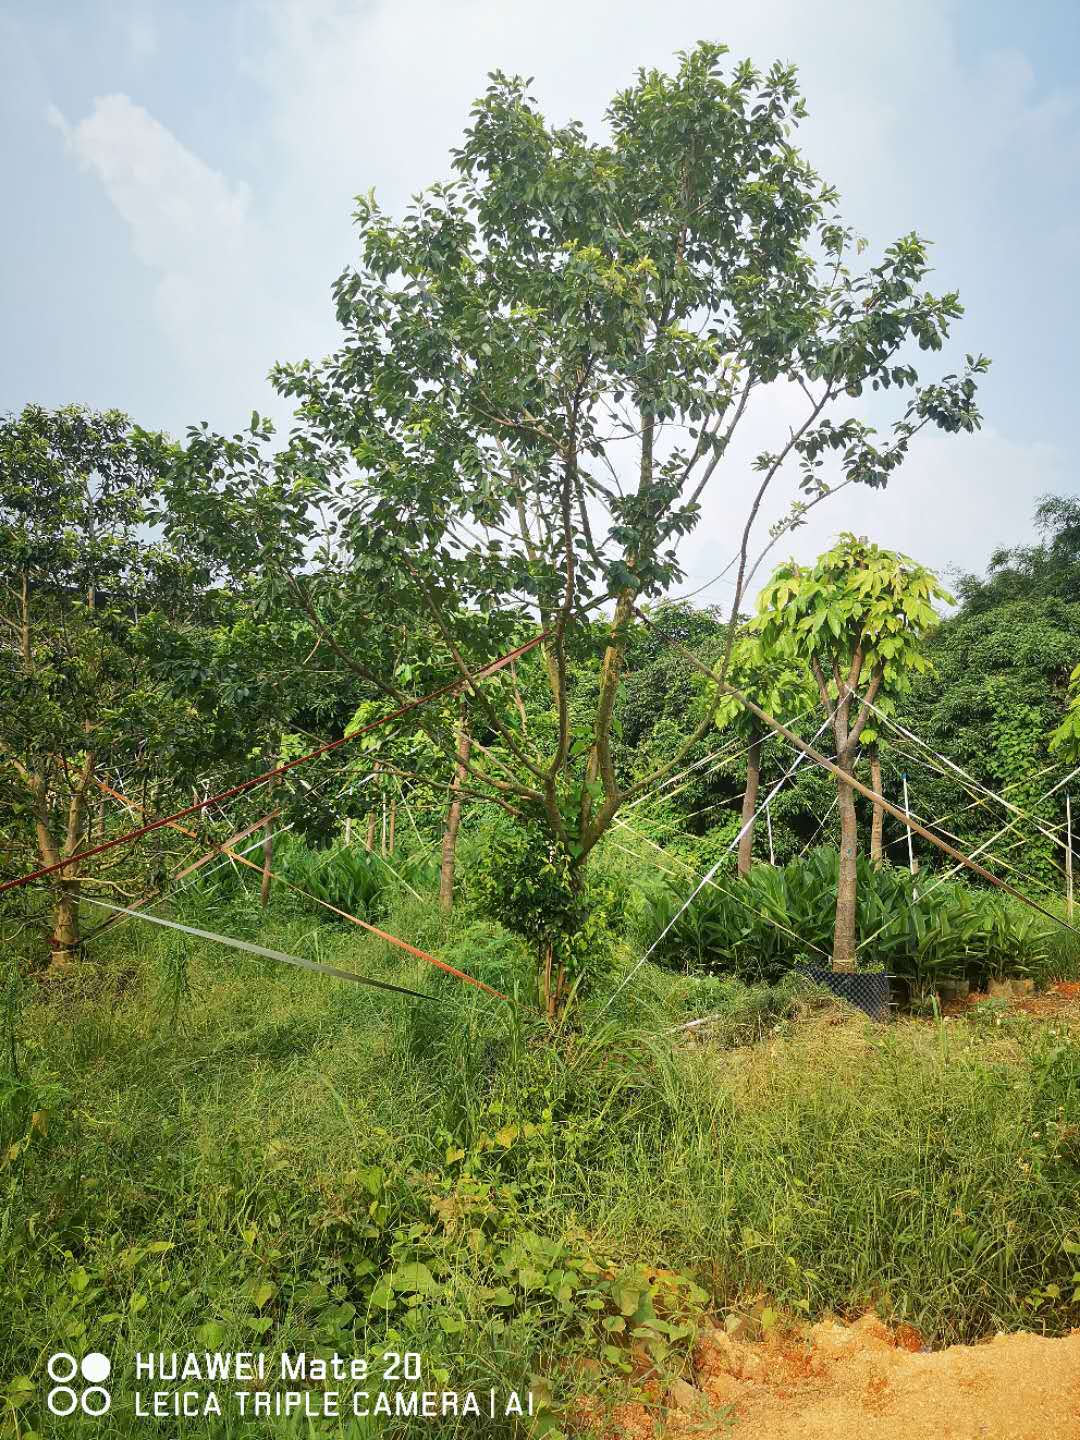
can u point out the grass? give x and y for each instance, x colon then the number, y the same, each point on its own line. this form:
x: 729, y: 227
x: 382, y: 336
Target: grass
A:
x: 228, y: 1154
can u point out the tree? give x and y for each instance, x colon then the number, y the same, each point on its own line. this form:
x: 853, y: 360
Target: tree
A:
x: 557, y: 306
x: 89, y: 606
x: 768, y: 678
x: 857, y: 618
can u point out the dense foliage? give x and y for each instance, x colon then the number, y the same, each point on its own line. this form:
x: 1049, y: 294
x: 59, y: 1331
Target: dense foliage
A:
x: 940, y: 933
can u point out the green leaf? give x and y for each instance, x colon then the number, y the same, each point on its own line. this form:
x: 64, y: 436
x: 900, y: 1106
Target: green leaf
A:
x: 414, y: 1278
x: 262, y: 1293
x: 20, y: 1389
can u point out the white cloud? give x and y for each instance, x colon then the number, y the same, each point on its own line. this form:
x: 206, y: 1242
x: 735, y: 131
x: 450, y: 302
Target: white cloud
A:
x: 215, y: 300
x: 183, y: 215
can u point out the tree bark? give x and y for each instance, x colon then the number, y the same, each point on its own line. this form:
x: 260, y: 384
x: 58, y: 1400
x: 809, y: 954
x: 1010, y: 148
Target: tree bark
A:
x: 878, y: 817
x: 268, y: 860
x: 66, y: 937
x: 453, y: 818
x: 749, y: 804
x: 373, y: 817
x: 843, y: 957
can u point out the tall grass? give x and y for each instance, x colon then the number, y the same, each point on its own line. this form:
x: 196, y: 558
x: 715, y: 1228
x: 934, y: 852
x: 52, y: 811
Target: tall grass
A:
x: 255, y: 1127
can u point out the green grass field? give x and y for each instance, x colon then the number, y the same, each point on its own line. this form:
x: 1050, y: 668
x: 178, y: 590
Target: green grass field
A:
x: 204, y: 1151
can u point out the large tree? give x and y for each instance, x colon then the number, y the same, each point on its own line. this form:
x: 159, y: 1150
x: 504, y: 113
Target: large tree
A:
x: 858, y: 618
x: 543, y: 368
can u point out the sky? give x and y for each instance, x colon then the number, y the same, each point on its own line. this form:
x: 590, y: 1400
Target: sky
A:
x: 180, y: 178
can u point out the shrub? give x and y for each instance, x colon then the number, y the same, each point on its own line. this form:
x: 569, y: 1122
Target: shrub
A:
x: 527, y: 883
x: 923, y: 933
x: 351, y: 879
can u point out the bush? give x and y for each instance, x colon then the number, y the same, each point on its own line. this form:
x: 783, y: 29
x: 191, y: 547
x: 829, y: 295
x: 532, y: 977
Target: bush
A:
x: 922, y: 932
x: 527, y: 883
x: 354, y: 880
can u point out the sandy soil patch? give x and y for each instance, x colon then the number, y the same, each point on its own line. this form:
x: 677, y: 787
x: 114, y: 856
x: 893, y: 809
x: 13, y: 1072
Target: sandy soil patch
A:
x: 866, y: 1382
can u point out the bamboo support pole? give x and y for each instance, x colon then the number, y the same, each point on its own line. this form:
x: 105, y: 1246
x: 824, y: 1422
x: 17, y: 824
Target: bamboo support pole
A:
x: 1068, y: 858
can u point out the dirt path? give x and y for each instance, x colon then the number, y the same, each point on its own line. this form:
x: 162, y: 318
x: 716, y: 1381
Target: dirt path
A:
x: 863, y: 1382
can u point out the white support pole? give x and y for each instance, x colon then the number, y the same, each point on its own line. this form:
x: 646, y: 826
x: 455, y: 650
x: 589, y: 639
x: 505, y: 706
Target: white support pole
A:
x: 768, y: 822
x: 348, y: 829
x: 1068, y: 858
x: 913, y: 864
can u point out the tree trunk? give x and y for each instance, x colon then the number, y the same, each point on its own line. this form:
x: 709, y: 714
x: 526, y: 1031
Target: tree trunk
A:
x: 66, y: 938
x: 878, y: 817
x: 749, y: 803
x: 373, y: 813
x: 453, y: 818
x: 268, y: 860
x: 268, y: 855
x: 843, y: 957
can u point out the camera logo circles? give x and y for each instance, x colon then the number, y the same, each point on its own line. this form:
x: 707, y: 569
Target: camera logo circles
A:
x: 64, y: 1399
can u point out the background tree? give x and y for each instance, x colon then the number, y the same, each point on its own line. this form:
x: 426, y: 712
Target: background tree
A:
x: 858, y: 618
x: 767, y: 677
x: 1048, y: 569
x: 90, y: 608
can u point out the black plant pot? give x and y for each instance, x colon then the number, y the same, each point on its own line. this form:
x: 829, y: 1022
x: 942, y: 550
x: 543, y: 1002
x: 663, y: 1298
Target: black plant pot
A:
x: 868, y: 989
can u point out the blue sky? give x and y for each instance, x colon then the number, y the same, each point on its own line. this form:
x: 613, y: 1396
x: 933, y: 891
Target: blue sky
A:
x: 179, y: 180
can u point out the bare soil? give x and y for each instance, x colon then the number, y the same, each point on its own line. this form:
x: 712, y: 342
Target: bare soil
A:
x: 864, y: 1382
x: 1060, y: 1001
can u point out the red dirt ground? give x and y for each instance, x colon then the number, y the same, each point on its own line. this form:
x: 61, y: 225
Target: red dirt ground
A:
x: 1060, y: 1001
